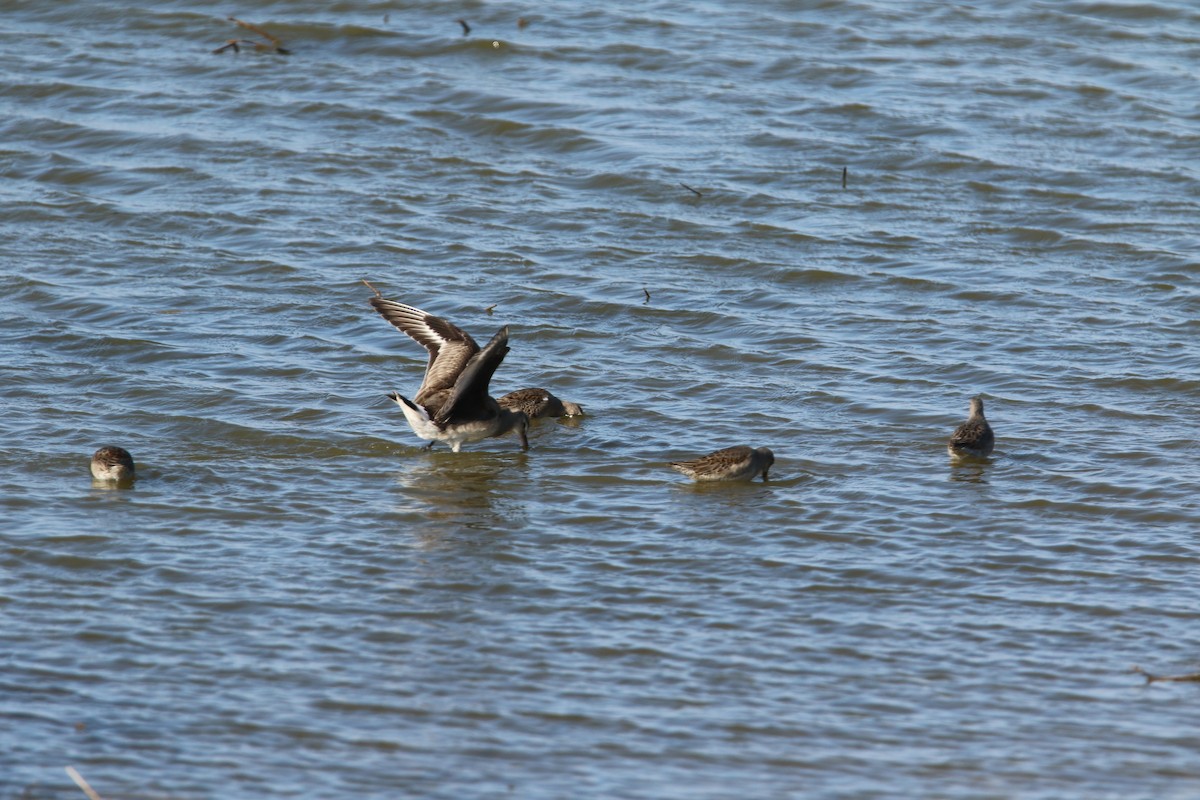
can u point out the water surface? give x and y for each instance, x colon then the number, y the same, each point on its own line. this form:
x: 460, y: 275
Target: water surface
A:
x: 295, y: 600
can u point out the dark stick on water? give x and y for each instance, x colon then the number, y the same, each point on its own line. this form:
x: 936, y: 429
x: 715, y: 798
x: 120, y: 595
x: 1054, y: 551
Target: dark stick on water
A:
x: 276, y: 44
x: 690, y: 189
x: 647, y: 291
x: 845, y: 170
x: 466, y: 27
x: 489, y: 308
x: 1192, y: 678
x: 372, y: 288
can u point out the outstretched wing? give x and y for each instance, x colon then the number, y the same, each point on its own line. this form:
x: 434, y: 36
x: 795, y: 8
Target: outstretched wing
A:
x: 450, y: 347
x: 469, y: 400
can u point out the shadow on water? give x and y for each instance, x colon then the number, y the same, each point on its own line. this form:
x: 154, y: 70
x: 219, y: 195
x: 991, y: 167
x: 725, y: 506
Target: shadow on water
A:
x: 728, y: 487
x: 457, y: 491
x: 969, y: 470
x: 566, y: 422
x: 113, y: 486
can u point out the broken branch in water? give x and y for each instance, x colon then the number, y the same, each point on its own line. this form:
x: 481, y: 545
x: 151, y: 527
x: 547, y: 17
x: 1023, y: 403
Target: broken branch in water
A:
x: 372, y: 288
x: 647, y: 291
x: 1191, y: 678
x: 845, y: 172
x: 489, y: 308
x: 690, y: 189
x: 466, y: 27
x: 82, y: 784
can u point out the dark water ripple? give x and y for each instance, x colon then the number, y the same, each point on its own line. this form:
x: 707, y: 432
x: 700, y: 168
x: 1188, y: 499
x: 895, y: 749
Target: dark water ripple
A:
x: 294, y: 599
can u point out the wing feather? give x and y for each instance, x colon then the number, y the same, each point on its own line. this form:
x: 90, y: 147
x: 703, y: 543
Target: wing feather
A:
x: 450, y: 347
x: 470, y: 400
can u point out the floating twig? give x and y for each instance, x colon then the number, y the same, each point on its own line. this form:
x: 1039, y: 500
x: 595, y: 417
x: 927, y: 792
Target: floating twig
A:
x: 82, y: 784
x: 466, y: 27
x: 372, y: 288
x: 275, y: 46
x: 259, y: 47
x: 845, y: 171
x: 260, y: 31
x: 1191, y: 678
x: 489, y: 308
x: 647, y: 291
x: 690, y: 189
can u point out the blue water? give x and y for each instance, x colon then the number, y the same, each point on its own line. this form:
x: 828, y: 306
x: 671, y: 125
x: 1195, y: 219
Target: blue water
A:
x: 294, y: 599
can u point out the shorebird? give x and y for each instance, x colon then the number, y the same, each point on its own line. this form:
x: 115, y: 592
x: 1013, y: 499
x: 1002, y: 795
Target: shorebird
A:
x: 539, y: 403
x: 112, y: 464
x: 739, y: 463
x: 974, y: 438
x: 453, y: 404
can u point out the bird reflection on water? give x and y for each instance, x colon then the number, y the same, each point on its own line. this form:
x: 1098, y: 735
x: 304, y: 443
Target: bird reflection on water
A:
x: 971, y: 471
x: 479, y: 491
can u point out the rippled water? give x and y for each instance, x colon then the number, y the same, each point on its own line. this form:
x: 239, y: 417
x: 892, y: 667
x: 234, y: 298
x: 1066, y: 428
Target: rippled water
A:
x: 295, y: 600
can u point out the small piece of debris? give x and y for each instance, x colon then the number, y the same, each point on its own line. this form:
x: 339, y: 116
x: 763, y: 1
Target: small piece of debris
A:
x: 690, y: 189
x: 273, y: 44
x: 1190, y: 678
x: 647, y: 291
x: 82, y: 784
x: 466, y: 27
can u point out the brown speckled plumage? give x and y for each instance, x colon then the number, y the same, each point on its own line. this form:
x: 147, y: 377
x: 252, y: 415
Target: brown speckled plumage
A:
x: 112, y: 464
x: 974, y: 438
x: 741, y: 463
x: 539, y: 403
